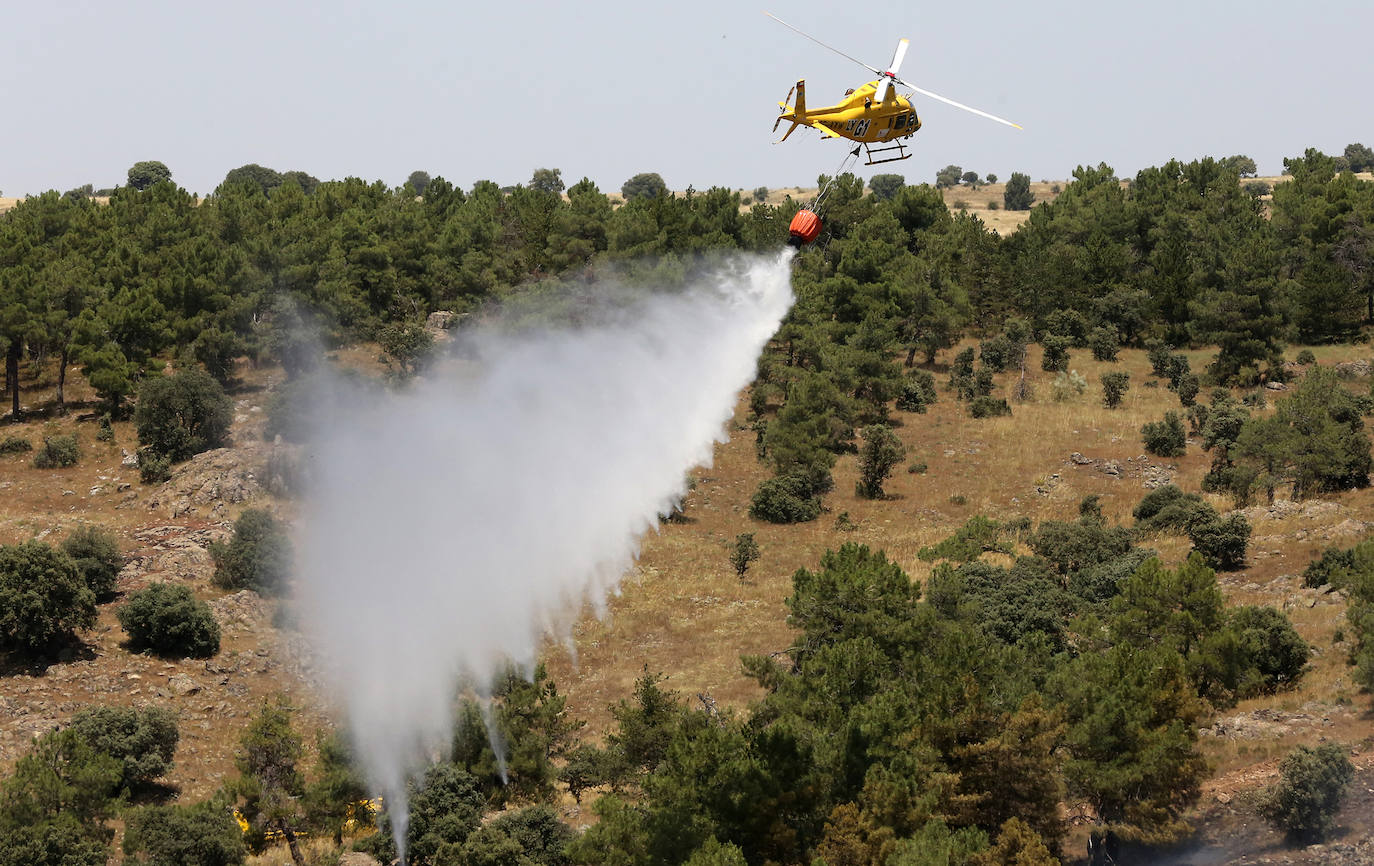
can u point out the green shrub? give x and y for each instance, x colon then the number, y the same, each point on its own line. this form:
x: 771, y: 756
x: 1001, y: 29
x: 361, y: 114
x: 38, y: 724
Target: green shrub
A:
x: 142, y: 740
x: 181, y: 415
x: 1114, y: 387
x: 1104, y: 343
x: 881, y: 452
x: 744, y: 553
x: 15, y: 445
x: 1158, y: 354
x: 1222, y: 542
x: 1165, y: 438
x: 1175, y: 369
x: 58, y: 452
x: 201, y: 834
x: 984, y: 406
x: 918, y: 392
x: 1332, y: 567
x: 167, y: 619
x: 785, y: 499
x: 1312, y: 782
x: 257, y: 556
x: 106, y: 431
x: 153, y: 468
x: 1305, y: 357
x: 1056, y: 355
x: 96, y: 554
x: 917, y: 467
x: 63, y: 841
x: 997, y: 353
x: 1068, y: 323
x: 1276, y: 653
x: 43, y: 599
x: 1187, y: 389
x: 977, y: 536
x: 1168, y: 509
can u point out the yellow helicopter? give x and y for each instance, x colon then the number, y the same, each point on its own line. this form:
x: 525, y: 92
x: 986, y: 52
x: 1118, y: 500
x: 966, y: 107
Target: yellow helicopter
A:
x: 873, y: 115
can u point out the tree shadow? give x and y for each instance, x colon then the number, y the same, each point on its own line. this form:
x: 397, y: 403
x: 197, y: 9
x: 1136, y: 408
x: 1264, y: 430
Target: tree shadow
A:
x: 15, y: 663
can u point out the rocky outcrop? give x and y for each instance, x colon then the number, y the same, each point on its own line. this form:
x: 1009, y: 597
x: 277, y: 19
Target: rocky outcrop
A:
x: 208, y: 482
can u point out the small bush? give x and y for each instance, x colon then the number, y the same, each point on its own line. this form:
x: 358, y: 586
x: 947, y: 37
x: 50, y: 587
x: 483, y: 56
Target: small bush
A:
x: 1068, y: 323
x: 15, y: 445
x: 785, y: 499
x: 1104, y: 343
x: 881, y: 452
x: 984, y: 406
x: 1254, y: 399
x: 1114, y: 386
x: 1222, y: 542
x: 96, y: 554
x: 917, y: 468
x: 181, y: 415
x: 142, y: 740
x: 918, y: 392
x: 1056, y: 355
x: 1312, y: 782
x: 1305, y: 357
x: 106, y: 431
x: 1158, y: 354
x: 997, y: 353
x: 58, y: 452
x: 1276, y: 652
x: 1067, y: 385
x: 257, y: 557
x: 43, y: 599
x: 1165, y: 438
x: 1168, y: 509
x: 1333, y: 567
x: 1175, y: 369
x: 1187, y: 389
x: 993, y: 205
x: 201, y: 834
x: 153, y: 468
x: 167, y: 619
x: 744, y: 553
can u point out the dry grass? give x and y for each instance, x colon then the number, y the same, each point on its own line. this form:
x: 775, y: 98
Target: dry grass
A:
x: 684, y: 613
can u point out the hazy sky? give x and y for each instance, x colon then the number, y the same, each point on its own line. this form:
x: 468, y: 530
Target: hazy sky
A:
x: 493, y: 90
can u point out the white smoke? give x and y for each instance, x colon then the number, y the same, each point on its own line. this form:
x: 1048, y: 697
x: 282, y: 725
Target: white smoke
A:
x: 450, y: 528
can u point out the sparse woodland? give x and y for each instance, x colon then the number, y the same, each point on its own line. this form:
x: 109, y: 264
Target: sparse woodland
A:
x: 1027, y: 682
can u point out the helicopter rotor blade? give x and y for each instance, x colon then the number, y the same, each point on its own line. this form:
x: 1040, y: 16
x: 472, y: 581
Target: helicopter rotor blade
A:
x: 872, y: 69
x: 897, y: 57
x: 949, y: 101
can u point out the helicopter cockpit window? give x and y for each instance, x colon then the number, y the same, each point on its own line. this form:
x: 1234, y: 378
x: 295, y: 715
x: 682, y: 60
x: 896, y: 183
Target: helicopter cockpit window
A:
x: 899, y: 122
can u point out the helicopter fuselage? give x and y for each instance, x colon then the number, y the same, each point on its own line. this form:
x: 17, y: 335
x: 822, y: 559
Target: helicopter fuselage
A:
x: 860, y: 117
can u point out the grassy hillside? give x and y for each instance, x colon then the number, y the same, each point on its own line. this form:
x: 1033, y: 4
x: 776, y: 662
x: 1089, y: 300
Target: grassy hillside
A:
x: 682, y: 610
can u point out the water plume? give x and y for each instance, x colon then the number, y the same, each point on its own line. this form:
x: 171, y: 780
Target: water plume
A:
x: 450, y: 528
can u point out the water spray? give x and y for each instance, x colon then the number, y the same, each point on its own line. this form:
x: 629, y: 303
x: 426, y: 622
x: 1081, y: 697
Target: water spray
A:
x: 452, y: 528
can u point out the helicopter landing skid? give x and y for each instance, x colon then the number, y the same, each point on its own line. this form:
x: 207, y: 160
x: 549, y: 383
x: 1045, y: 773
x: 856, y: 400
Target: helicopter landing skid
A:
x: 899, y: 147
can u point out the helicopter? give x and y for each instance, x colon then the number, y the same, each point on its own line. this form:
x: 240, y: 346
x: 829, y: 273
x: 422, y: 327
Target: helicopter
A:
x: 874, y: 115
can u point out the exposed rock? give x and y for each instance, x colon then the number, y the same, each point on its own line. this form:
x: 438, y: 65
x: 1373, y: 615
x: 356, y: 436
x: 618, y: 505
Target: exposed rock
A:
x: 442, y: 320
x: 357, y: 858
x: 222, y: 476
x: 1078, y: 458
x: 1359, y: 369
x: 1275, y: 386
x: 1110, y: 467
x: 1346, y: 529
x: 243, y: 609
x: 183, y: 685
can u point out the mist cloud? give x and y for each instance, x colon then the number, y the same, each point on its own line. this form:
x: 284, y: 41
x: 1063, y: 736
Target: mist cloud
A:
x: 450, y: 528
